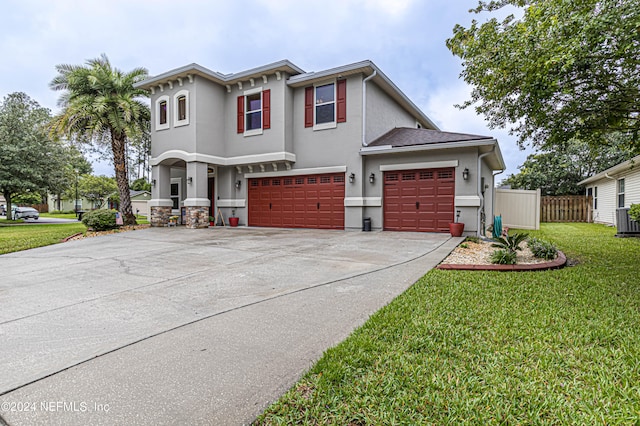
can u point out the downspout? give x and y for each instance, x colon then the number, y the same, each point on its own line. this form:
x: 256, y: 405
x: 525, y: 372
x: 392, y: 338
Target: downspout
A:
x: 364, y: 105
x: 479, y: 177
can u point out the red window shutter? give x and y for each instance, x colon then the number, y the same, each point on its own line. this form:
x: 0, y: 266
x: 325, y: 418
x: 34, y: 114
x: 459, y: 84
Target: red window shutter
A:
x: 240, y: 114
x: 266, y: 109
x: 342, y: 101
x: 308, y: 107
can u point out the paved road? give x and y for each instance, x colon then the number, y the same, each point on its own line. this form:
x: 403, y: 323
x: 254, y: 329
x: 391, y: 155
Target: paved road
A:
x: 179, y: 326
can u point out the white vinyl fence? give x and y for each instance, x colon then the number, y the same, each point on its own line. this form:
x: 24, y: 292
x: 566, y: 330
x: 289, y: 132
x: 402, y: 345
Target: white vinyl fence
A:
x: 519, y: 208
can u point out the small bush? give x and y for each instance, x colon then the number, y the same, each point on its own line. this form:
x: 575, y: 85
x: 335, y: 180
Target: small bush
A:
x: 542, y: 249
x: 634, y: 212
x: 100, y: 220
x: 464, y: 245
x: 504, y: 257
x: 473, y: 239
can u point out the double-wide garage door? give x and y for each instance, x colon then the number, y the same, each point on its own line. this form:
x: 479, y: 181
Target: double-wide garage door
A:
x: 419, y: 200
x: 313, y: 201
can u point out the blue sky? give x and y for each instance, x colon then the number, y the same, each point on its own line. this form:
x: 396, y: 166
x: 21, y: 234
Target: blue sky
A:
x: 405, y: 38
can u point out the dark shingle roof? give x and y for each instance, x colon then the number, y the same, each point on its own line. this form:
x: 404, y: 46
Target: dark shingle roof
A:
x: 404, y: 136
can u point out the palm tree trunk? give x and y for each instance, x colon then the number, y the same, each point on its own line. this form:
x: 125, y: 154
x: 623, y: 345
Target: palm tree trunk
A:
x: 118, y: 143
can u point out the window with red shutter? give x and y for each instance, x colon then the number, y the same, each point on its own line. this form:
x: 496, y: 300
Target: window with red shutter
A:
x: 342, y: 101
x: 240, y: 114
x: 266, y: 109
x: 308, y: 106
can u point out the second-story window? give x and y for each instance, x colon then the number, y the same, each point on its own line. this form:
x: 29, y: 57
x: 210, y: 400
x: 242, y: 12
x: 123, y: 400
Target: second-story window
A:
x: 325, y: 104
x: 163, y: 112
x: 181, y: 108
x: 254, y: 111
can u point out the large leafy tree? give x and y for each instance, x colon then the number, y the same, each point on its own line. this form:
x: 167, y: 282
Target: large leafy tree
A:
x: 28, y: 157
x: 99, y: 104
x: 96, y: 189
x: 74, y: 165
x: 564, y: 70
x: 558, y: 172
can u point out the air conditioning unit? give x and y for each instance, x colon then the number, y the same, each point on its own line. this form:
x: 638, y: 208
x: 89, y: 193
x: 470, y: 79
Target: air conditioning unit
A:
x: 626, y: 226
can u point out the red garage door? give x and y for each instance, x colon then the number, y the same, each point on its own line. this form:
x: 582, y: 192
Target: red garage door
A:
x: 314, y: 201
x: 419, y: 200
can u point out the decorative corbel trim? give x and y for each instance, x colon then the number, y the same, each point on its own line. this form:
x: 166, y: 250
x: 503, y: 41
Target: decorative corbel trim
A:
x: 180, y: 81
x: 170, y: 84
x: 239, y: 85
x: 264, y: 79
x: 161, y: 87
x: 153, y: 91
x: 239, y: 169
x: 278, y: 75
x: 275, y: 166
x: 190, y: 77
x: 287, y: 165
x: 228, y: 88
x: 250, y: 168
x: 252, y: 81
x: 262, y: 167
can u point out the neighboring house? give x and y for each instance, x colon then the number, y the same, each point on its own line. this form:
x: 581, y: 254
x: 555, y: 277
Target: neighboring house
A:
x: 282, y: 147
x: 62, y: 204
x: 139, y: 202
x: 614, y: 188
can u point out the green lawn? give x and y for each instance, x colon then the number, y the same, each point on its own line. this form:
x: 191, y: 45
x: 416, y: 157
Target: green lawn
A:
x: 23, y: 237
x: 554, y: 347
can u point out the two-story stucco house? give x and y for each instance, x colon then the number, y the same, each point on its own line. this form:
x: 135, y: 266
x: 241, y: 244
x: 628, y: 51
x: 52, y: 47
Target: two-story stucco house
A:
x: 282, y: 147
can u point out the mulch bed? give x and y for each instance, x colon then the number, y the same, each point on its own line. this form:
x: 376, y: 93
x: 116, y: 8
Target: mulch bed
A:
x: 89, y: 234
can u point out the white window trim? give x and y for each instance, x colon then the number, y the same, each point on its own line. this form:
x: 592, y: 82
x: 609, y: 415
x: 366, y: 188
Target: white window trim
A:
x: 176, y: 122
x: 179, y: 196
x: 332, y: 124
x: 259, y: 131
x: 619, y: 193
x: 166, y: 125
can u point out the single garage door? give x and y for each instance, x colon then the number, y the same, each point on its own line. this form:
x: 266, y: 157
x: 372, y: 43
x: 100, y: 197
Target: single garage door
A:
x: 313, y: 201
x: 419, y: 200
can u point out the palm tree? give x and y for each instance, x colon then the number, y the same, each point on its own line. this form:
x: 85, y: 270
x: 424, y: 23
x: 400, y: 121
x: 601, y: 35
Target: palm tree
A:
x: 100, y: 104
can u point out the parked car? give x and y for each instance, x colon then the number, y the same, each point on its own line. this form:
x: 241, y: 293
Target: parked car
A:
x: 3, y: 210
x: 25, y: 213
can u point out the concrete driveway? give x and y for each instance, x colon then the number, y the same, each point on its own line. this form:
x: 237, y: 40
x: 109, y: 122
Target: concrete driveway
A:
x: 179, y: 326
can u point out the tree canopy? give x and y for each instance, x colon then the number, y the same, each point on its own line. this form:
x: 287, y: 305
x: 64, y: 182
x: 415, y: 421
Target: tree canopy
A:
x: 558, y: 172
x: 564, y: 70
x: 28, y: 157
x: 101, y: 105
x: 96, y: 189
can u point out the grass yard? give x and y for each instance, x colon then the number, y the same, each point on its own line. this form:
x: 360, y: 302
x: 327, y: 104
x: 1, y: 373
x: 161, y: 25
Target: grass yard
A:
x: 553, y: 347
x: 23, y: 237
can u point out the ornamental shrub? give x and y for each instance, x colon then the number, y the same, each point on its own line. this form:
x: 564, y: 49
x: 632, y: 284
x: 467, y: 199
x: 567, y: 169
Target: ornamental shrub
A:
x: 542, y: 249
x: 504, y: 257
x: 100, y: 220
x: 510, y: 242
x: 634, y: 212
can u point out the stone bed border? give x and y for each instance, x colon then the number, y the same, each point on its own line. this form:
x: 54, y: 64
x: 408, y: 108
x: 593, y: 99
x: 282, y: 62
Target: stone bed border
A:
x: 559, y: 262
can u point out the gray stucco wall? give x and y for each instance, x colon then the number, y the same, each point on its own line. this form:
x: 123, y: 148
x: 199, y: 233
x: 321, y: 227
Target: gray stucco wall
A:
x: 384, y: 114
x: 209, y: 117
x: 182, y: 137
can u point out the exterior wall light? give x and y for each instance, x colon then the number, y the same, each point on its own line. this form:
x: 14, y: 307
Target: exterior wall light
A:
x: 465, y: 174
x: 153, y: 182
x: 238, y: 184
x: 372, y: 177
x: 352, y: 177
x: 189, y: 180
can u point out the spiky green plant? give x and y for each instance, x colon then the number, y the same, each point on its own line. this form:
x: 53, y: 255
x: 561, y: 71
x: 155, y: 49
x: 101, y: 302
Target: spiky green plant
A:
x: 510, y: 242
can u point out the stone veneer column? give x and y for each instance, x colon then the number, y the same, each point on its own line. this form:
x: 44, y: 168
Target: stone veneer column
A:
x: 160, y: 215
x: 197, y: 217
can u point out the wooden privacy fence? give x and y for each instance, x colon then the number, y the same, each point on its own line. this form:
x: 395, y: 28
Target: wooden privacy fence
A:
x: 566, y: 208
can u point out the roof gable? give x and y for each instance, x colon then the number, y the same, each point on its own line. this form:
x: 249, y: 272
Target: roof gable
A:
x: 404, y: 136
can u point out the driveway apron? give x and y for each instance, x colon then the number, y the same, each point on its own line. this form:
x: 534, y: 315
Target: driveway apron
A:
x: 180, y: 326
